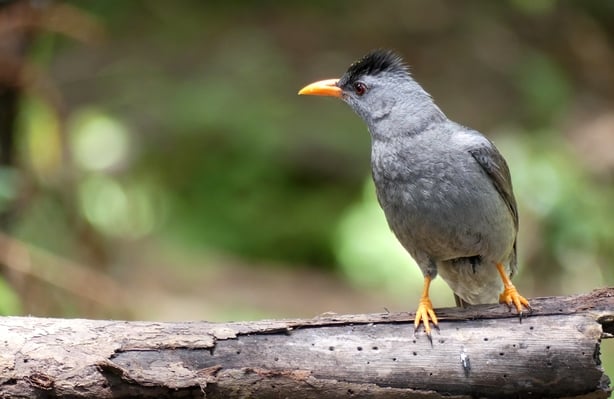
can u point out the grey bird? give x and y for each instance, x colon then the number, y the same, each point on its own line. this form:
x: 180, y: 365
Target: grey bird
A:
x: 445, y: 189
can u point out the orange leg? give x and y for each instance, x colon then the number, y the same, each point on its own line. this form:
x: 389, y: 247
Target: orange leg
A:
x: 425, y: 312
x: 510, y: 295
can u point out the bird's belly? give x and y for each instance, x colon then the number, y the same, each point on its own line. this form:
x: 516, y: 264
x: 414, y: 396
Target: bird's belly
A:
x: 474, y: 285
x: 447, y: 222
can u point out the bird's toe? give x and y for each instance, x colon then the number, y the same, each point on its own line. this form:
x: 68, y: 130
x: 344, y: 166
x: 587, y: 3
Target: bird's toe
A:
x: 513, y: 299
x: 425, y: 315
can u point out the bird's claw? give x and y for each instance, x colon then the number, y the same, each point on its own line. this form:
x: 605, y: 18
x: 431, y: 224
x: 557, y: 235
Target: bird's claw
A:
x: 426, y: 315
x: 513, y: 299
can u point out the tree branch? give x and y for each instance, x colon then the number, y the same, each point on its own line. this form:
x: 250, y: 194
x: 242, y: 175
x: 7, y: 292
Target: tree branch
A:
x: 482, y: 351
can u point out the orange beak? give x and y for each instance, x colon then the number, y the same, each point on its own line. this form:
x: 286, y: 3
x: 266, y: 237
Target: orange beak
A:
x: 326, y: 87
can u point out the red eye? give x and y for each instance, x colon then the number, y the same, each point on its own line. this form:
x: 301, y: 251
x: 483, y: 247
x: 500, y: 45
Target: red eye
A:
x: 360, y: 88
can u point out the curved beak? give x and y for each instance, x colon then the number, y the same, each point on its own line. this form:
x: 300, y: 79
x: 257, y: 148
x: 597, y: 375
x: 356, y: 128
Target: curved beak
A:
x: 326, y: 87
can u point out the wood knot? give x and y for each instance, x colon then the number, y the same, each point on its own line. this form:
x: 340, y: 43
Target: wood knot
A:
x: 40, y: 381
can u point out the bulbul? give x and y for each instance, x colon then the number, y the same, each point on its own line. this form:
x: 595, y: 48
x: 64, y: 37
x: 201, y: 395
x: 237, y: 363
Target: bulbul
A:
x: 445, y: 189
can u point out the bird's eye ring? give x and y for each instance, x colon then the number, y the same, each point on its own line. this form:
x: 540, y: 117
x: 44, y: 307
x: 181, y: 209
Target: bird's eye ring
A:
x: 360, y: 88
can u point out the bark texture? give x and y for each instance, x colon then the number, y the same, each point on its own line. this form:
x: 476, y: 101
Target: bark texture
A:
x: 483, y: 351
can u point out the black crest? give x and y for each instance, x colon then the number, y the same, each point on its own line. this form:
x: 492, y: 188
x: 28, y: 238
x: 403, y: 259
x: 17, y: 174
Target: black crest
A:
x: 377, y: 61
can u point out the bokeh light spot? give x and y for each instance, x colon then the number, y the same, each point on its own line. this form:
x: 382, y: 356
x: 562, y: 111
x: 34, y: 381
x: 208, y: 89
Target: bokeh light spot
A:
x: 98, y: 141
x: 121, y: 210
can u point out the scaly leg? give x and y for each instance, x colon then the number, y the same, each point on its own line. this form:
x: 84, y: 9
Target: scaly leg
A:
x: 510, y: 294
x: 425, y: 312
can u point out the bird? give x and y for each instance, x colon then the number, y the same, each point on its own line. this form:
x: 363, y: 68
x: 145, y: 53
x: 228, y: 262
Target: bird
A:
x: 445, y: 189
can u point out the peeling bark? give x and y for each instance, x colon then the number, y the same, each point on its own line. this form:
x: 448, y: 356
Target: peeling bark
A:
x: 482, y: 351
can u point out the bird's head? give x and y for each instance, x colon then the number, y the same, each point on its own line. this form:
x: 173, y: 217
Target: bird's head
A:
x: 377, y: 87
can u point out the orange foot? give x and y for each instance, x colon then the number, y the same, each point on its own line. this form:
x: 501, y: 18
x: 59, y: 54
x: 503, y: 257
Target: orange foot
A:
x: 425, y: 313
x: 510, y: 295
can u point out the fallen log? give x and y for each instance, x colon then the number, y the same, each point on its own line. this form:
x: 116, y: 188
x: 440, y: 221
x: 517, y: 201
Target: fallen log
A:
x: 481, y: 351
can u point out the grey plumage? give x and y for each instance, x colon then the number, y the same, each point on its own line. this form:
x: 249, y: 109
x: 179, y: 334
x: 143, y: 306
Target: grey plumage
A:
x: 445, y: 189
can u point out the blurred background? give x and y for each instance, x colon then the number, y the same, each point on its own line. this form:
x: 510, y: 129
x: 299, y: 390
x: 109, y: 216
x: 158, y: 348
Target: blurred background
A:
x: 157, y: 164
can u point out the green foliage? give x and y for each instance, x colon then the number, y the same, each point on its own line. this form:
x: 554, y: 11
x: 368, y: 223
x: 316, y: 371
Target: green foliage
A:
x: 573, y: 208
x: 534, y: 6
x: 10, y: 303
x: 544, y: 88
x: 8, y: 187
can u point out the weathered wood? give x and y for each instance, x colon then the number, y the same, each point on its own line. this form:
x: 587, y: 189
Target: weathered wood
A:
x: 483, y: 351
